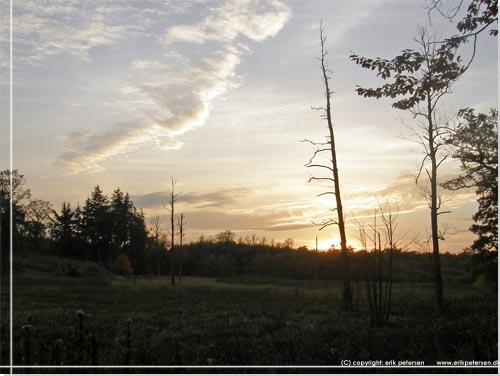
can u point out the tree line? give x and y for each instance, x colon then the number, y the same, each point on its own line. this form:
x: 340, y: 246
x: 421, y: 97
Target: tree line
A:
x: 108, y: 227
x: 105, y: 227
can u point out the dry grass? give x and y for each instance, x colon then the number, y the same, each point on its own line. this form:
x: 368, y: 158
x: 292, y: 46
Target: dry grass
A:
x: 239, y: 320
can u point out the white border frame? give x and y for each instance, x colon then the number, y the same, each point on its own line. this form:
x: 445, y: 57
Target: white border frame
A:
x: 11, y: 365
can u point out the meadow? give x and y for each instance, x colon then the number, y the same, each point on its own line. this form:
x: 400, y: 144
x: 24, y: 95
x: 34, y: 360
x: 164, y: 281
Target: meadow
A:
x: 101, y: 319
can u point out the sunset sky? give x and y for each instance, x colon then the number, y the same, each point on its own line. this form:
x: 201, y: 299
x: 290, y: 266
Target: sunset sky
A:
x: 218, y: 95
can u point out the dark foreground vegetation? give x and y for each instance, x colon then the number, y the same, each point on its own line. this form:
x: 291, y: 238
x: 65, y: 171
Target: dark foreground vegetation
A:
x: 95, y: 317
x: 97, y: 286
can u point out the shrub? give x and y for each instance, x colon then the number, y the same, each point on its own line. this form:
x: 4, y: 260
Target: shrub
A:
x: 122, y: 265
x: 88, y: 268
x: 484, y: 281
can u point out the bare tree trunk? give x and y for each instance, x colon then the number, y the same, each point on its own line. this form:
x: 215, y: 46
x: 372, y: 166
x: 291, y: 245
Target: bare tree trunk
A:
x: 434, y: 209
x: 180, y: 222
x: 379, y: 284
x: 172, y: 245
x: 380, y: 278
x: 346, y: 291
x: 157, y: 252
x: 375, y: 275
x: 173, y: 198
x: 156, y: 229
x: 180, y: 261
x: 423, y: 76
x: 388, y: 287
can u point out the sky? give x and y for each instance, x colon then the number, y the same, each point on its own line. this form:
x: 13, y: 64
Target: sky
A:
x: 218, y: 95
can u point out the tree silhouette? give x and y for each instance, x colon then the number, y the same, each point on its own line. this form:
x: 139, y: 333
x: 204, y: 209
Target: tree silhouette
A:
x: 226, y: 236
x: 329, y: 147
x: 38, y: 220
x: 136, y: 247
x: 96, y: 225
x: 475, y: 143
x: 171, y: 208
x: 381, y: 261
x: 155, y: 228
x: 481, y: 15
x: 64, y: 230
x: 181, y: 222
x: 17, y: 199
x: 121, y: 211
x: 419, y: 76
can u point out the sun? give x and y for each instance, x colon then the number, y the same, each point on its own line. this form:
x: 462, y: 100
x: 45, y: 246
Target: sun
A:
x: 325, y: 244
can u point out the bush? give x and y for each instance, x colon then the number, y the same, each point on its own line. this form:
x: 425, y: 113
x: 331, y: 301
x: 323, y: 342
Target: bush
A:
x: 484, y: 281
x: 122, y: 265
x: 89, y: 268
x: 56, y: 266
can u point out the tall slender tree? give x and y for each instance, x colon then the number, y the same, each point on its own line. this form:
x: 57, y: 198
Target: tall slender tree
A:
x: 122, y: 212
x: 181, y: 222
x: 64, y: 231
x: 330, y: 148
x: 96, y: 225
x: 171, y: 209
x: 17, y: 198
x: 155, y: 229
x: 419, y: 79
x: 136, y: 242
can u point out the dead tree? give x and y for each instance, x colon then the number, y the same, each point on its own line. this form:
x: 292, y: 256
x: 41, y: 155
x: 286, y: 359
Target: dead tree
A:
x: 155, y: 226
x: 390, y: 223
x: 375, y: 282
x: 180, y: 224
x: 380, y: 290
x: 329, y: 147
x: 381, y: 260
x: 170, y: 208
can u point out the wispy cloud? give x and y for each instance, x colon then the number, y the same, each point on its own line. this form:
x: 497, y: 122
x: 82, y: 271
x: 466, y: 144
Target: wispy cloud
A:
x: 208, y: 220
x: 402, y: 195
x: 52, y: 27
x: 214, y: 210
x: 171, y: 95
x: 215, y: 199
x: 253, y: 19
x: 88, y: 148
x: 288, y: 226
x: 164, y: 107
x: 4, y: 41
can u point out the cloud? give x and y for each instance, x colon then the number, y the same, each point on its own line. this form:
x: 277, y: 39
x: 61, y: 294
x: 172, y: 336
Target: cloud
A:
x: 289, y: 226
x: 221, y: 209
x: 4, y: 41
x: 89, y: 148
x: 204, y: 220
x: 253, y: 19
x: 171, y: 95
x: 402, y: 195
x: 214, y: 199
x: 49, y: 28
x: 165, y: 106
x: 52, y: 27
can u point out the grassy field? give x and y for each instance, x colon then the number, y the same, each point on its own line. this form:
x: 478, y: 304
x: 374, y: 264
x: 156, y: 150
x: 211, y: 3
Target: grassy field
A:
x: 93, y: 319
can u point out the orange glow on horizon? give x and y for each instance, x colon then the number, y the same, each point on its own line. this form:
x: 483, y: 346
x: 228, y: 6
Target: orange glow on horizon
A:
x: 325, y: 244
